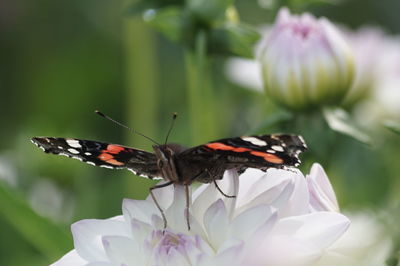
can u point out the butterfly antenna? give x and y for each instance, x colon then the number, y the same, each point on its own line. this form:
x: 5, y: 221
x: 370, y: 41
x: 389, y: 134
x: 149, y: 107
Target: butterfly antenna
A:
x: 174, y: 115
x: 122, y: 125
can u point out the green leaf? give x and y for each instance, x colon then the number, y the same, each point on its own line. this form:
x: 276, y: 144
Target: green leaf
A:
x: 208, y: 11
x: 392, y: 126
x: 234, y: 39
x: 340, y: 121
x: 52, y: 240
x: 169, y: 21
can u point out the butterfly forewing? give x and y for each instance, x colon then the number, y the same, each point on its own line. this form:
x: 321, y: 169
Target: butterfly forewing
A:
x: 263, y: 152
x: 102, y: 154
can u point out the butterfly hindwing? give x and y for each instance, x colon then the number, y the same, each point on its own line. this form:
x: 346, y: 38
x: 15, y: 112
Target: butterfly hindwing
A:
x: 102, y: 154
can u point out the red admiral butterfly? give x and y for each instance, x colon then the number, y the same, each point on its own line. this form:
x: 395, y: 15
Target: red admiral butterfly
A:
x: 178, y: 165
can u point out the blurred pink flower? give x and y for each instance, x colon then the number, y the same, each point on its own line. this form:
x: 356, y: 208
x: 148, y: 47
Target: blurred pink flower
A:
x: 278, y: 218
x: 305, y: 61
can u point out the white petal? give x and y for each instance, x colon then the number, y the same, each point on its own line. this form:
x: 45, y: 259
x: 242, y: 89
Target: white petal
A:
x: 249, y: 221
x: 283, y: 250
x: 163, y: 195
x: 322, y: 196
x: 99, y: 263
x: 87, y: 236
x: 216, y: 222
x: 204, y: 196
x: 72, y: 258
x: 277, y: 196
x: 141, y: 210
x: 255, y: 182
x: 175, y: 214
x: 320, y: 228
x: 123, y: 251
x: 298, y: 203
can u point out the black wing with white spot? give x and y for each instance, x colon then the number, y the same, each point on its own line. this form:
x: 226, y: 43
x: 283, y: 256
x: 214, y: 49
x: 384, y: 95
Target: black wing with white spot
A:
x: 102, y: 154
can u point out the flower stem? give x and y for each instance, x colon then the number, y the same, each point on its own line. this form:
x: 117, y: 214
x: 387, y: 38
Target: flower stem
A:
x: 199, y: 91
x: 141, y: 86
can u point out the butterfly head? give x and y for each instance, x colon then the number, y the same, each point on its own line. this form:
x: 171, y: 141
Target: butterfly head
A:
x: 166, y: 160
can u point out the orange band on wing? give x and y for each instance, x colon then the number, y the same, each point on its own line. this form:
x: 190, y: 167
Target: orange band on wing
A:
x: 105, y: 156
x: 114, y: 149
x: 221, y: 146
x: 268, y: 157
x: 114, y: 162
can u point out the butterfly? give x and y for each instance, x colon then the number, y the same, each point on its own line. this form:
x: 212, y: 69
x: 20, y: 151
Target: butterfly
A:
x: 176, y: 164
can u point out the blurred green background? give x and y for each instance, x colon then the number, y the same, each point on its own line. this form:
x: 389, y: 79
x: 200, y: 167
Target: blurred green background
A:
x: 61, y: 60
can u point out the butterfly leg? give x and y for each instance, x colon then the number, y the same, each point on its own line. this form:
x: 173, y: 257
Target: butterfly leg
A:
x: 187, y: 206
x: 220, y: 190
x: 216, y: 185
x: 156, y: 202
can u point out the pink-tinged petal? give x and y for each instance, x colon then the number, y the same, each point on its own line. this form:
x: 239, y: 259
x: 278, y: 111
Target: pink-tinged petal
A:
x: 87, y: 236
x: 72, y: 258
x: 322, y: 196
x: 250, y: 221
x: 320, y: 228
x: 141, y: 210
x: 216, y: 222
x: 123, y: 251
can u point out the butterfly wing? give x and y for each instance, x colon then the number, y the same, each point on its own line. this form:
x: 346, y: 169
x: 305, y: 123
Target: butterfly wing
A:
x: 263, y: 152
x: 102, y: 154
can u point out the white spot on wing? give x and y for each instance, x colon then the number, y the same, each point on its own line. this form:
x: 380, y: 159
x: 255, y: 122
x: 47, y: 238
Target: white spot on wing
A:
x: 73, y: 151
x: 60, y: 147
x: 271, y: 151
x: 88, y: 153
x: 91, y: 163
x: 255, y: 141
x: 277, y: 148
x: 74, y: 143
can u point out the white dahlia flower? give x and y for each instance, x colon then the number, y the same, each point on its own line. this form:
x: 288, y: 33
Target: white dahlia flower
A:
x: 278, y: 218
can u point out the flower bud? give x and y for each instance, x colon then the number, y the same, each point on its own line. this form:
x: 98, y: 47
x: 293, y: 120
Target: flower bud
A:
x: 305, y: 62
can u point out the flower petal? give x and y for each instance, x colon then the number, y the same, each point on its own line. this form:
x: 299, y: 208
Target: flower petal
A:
x: 249, y: 221
x: 320, y: 228
x: 322, y: 196
x: 87, y: 236
x: 123, y: 251
x: 176, y: 213
x: 216, y: 222
x: 72, y: 258
x: 141, y: 210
